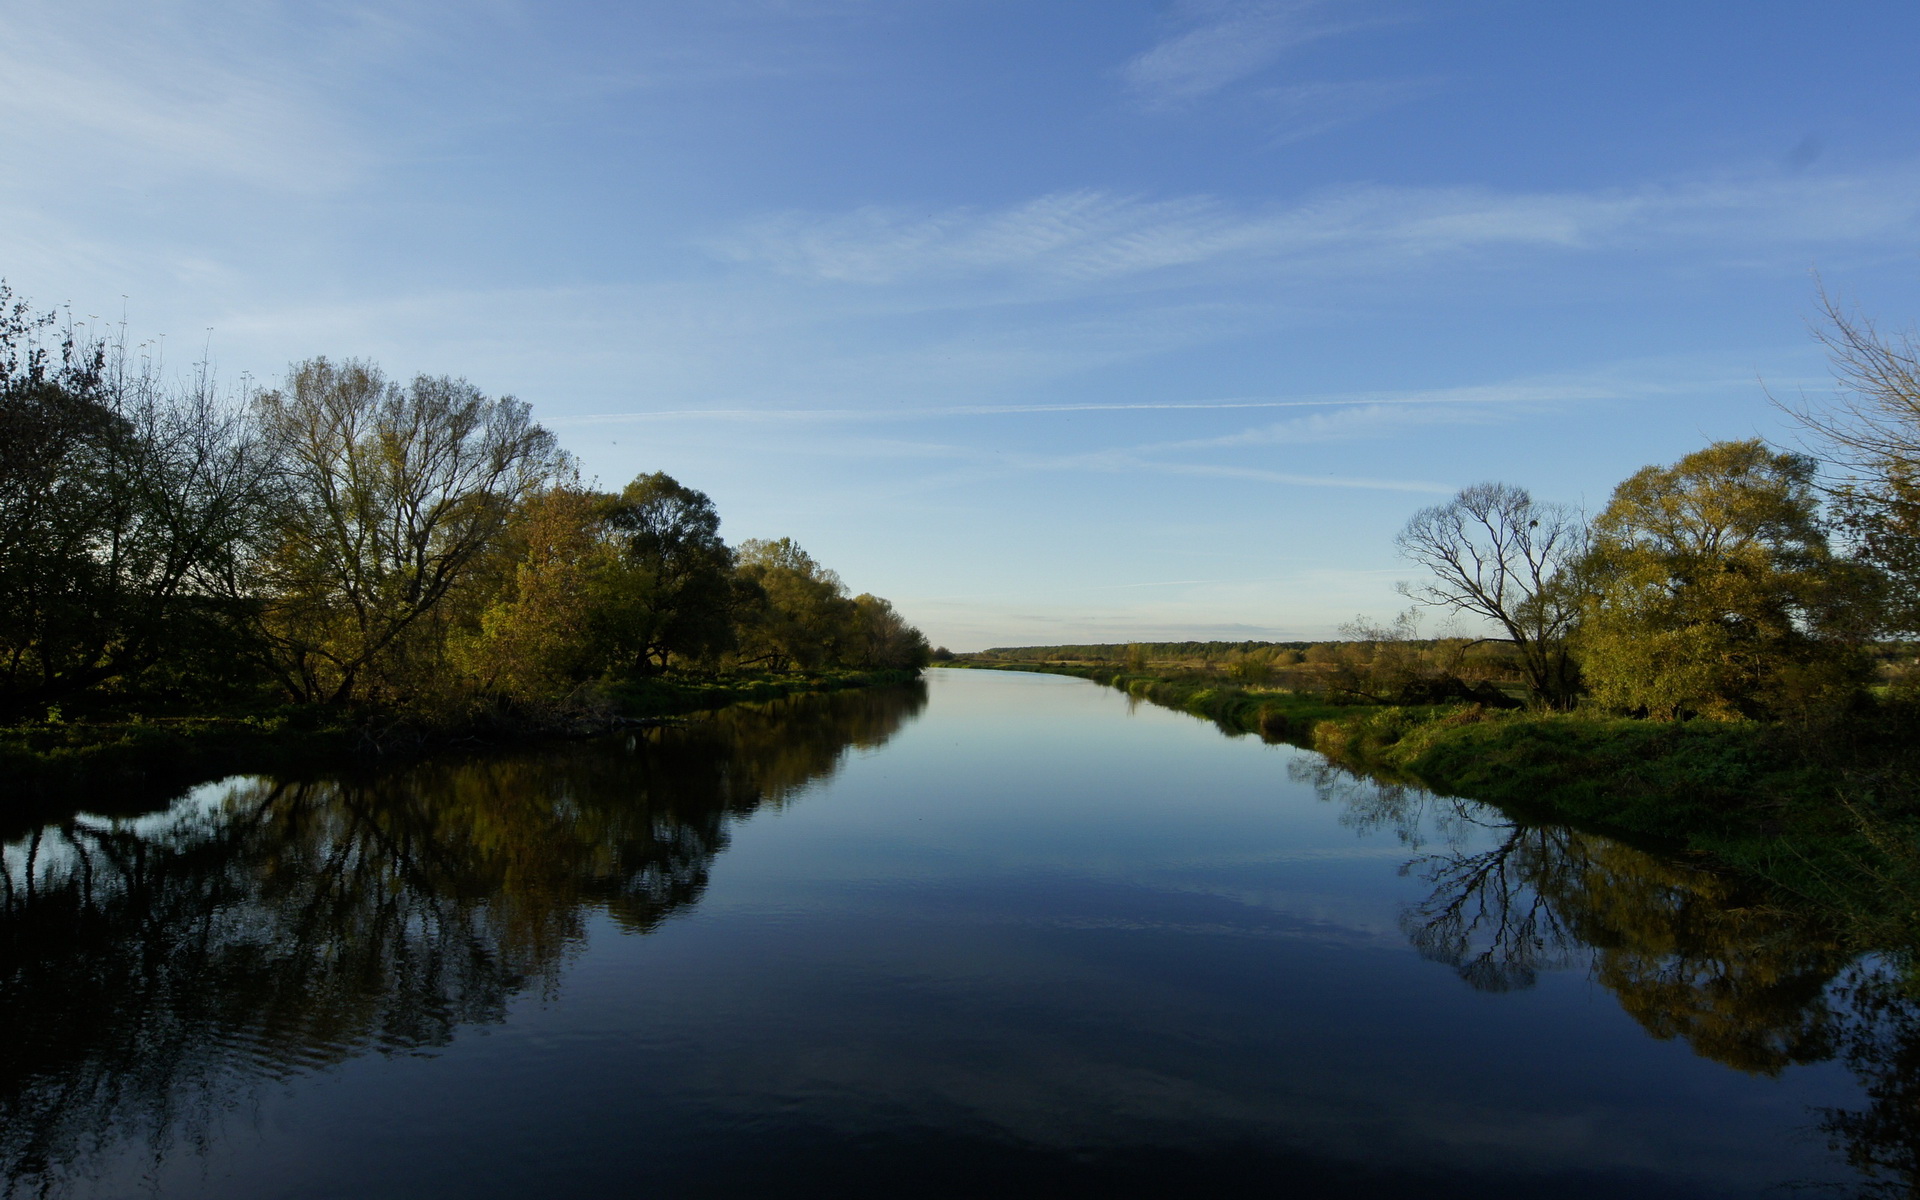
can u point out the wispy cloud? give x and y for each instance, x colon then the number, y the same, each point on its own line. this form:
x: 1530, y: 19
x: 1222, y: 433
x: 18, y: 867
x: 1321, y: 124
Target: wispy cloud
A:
x: 163, y: 94
x: 1302, y: 110
x: 313, y: 96
x: 1094, y: 238
x: 1114, y: 587
x: 957, y: 457
x: 968, y: 461
x: 1374, y: 405
x: 1367, y: 421
x: 1289, y: 478
x: 1223, y: 42
x: 1072, y: 233
x: 1148, y: 459
x: 975, y: 462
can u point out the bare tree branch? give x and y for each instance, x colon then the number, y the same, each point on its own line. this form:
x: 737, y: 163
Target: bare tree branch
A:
x: 1496, y: 554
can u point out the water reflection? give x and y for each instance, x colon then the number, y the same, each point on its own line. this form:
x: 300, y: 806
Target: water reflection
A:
x: 1880, y: 1042
x: 154, y: 972
x: 1745, y: 978
x: 154, y: 969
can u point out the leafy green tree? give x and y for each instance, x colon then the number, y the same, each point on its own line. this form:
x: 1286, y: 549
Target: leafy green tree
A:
x: 57, y: 438
x: 884, y: 640
x: 672, y: 594
x: 387, y: 499
x: 1715, y: 592
x: 542, y: 630
x: 799, y: 615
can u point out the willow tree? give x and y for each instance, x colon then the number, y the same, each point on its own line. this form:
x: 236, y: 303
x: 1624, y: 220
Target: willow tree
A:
x: 387, y: 496
x: 1715, y: 592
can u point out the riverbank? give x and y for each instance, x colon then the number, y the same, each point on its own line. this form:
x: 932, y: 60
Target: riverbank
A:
x: 142, y: 757
x: 1272, y: 714
x: 1671, y: 780
x: 1829, y: 817
x: 1674, y: 780
x: 1828, y: 820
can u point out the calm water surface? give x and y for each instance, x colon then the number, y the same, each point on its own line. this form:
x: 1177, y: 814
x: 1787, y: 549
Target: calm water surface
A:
x: 1000, y: 934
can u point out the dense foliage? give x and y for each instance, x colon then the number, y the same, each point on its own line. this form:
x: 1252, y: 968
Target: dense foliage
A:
x: 1711, y: 589
x: 349, y: 540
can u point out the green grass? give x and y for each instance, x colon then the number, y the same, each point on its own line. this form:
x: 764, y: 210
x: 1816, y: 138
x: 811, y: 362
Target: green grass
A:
x: 1667, y: 779
x: 129, y: 765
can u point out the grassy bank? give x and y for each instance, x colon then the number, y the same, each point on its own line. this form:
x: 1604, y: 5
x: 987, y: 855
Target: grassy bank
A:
x: 1826, y: 821
x: 132, y: 759
x: 1273, y: 714
x: 1829, y: 826
x: 1673, y: 780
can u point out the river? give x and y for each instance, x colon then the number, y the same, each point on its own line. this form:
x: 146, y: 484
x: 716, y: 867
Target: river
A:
x: 997, y: 934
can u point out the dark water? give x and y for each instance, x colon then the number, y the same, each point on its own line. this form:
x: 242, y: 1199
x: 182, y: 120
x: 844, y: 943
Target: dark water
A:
x: 1003, y: 934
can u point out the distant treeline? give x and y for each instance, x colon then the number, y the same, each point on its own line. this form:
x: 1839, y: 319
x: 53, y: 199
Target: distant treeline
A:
x: 347, y: 539
x: 1121, y: 651
x: 1372, y: 666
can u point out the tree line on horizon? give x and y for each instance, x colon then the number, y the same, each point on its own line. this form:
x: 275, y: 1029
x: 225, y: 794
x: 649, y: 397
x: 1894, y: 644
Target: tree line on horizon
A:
x: 349, y: 539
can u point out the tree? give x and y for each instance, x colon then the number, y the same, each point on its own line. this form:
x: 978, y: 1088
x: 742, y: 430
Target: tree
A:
x: 1715, y: 592
x: 674, y: 594
x: 1871, y: 431
x: 122, y: 504
x: 386, y: 497
x: 56, y: 434
x: 800, y: 615
x: 542, y: 631
x: 884, y: 640
x: 1497, y: 554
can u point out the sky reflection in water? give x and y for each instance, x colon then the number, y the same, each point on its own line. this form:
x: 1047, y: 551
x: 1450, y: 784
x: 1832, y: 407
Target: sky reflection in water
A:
x: 1029, y: 934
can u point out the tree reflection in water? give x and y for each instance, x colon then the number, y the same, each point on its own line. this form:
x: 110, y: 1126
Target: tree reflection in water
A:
x: 1880, y: 1042
x: 1485, y: 916
x: 1745, y: 978
x: 151, y: 970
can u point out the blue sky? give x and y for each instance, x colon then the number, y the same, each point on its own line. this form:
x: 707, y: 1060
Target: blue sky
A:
x: 1049, y: 321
